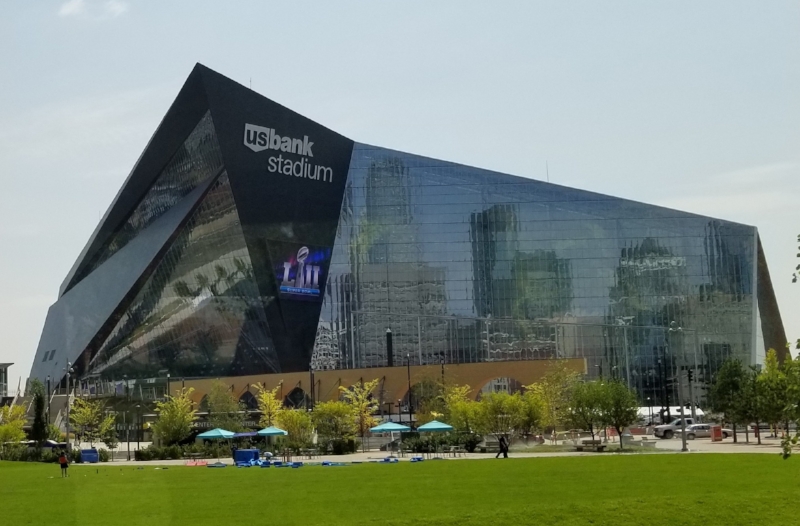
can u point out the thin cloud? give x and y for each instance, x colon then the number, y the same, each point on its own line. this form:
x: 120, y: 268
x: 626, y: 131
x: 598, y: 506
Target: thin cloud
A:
x: 93, y: 10
x: 72, y: 8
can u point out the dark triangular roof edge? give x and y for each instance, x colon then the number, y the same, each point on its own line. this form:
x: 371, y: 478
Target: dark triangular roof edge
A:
x: 181, y: 117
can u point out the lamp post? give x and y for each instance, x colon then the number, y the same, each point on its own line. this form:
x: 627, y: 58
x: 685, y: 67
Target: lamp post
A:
x: 68, y: 369
x: 138, y: 424
x: 399, y: 416
x: 48, y: 399
x: 674, y: 329
x: 168, y: 386
x: 410, y: 405
x: 389, y: 348
x: 125, y: 415
x: 441, y: 361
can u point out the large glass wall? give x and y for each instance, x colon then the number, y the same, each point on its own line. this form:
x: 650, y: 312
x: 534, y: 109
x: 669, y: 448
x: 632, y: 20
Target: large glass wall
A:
x: 198, y: 158
x: 465, y: 265
x: 200, y: 313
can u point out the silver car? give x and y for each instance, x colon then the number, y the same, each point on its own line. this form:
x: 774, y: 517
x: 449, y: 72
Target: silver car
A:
x: 704, y: 431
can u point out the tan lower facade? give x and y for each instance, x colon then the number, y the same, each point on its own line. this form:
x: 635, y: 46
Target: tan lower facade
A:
x: 393, y: 382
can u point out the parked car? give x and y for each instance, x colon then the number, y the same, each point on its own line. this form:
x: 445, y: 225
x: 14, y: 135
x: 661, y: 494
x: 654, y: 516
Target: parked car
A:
x: 704, y: 431
x: 669, y: 430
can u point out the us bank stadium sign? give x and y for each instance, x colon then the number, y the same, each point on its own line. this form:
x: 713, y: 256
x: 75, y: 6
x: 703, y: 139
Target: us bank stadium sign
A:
x: 261, y: 138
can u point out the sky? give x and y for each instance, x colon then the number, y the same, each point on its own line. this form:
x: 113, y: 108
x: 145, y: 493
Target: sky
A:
x: 684, y: 104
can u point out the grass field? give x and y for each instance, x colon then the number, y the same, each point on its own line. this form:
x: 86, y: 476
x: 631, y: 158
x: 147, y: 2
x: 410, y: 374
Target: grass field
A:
x: 702, y: 489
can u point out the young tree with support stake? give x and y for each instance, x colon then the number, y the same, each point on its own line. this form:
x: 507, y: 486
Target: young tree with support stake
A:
x: 727, y: 393
x: 269, y: 404
x: 359, y: 396
x: 620, y: 407
x: 175, y: 417
x: 586, y: 405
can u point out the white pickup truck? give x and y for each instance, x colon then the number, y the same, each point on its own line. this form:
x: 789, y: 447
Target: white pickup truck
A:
x: 671, y: 429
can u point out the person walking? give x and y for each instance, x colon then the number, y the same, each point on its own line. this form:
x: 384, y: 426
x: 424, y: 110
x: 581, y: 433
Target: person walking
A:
x: 503, y: 443
x: 62, y: 459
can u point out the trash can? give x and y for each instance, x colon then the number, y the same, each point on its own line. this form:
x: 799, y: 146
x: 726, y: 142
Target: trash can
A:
x: 716, y: 433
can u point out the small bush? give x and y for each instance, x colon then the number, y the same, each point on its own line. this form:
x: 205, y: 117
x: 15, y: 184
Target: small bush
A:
x: 104, y: 456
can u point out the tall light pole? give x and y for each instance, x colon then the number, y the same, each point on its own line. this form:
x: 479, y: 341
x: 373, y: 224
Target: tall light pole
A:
x: 675, y: 329
x: 125, y: 417
x: 168, y: 386
x: 48, y: 399
x: 389, y: 348
x: 410, y: 406
x: 69, y: 370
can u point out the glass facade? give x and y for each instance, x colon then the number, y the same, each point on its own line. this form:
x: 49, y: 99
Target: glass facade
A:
x: 200, y: 313
x: 466, y: 265
x: 227, y: 257
x: 198, y: 158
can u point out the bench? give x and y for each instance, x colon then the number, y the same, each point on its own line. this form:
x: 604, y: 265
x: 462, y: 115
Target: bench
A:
x: 457, y: 451
x: 597, y: 445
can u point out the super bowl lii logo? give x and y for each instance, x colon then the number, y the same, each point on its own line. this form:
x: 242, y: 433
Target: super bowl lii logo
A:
x: 300, y: 278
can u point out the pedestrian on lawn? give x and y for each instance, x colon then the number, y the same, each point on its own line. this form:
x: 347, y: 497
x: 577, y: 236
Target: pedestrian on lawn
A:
x: 64, y: 461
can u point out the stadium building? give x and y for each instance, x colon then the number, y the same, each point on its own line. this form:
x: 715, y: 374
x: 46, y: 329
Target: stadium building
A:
x: 252, y: 244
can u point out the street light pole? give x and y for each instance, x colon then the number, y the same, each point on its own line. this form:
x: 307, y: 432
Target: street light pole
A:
x: 410, y: 404
x: 48, y: 399
x: 69, y: 370
x: 674, y: 329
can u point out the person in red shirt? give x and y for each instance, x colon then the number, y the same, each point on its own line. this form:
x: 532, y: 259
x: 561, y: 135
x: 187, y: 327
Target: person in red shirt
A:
x: 62, y: 459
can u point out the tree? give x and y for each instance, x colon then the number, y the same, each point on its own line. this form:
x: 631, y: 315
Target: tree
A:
x: 269, y: 404
x: 39, y: 427
x: 224, y: 410
x: 359, y: 396
x: 554, y: 391
x: 89, y: 419
x: 297, y: 423
x: 12, y: 421
x: 500, y: 414
x: 727, y: 392
x: 773, y: 390
x: 334, y: 421
x: 620, y: 407
x: 108, y: 433
x: 532, y: 414
x: 459, y: 410
x: 427, y: 395
x: 586, y: 405
x: 175, y: 417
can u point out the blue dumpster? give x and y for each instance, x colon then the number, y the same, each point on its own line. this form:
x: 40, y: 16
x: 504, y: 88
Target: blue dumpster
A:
x: 245, y: 455
x: 90, y: 456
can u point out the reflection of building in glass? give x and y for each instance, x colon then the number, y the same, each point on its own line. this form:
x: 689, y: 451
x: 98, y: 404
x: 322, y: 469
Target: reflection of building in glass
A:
x: 187, y: 273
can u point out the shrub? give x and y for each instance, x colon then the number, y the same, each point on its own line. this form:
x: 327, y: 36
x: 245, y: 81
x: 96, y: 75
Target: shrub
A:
x: 343, y: 447
x: 104, y: 456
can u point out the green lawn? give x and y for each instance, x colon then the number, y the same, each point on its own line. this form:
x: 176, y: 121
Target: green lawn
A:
x: 702, y: 489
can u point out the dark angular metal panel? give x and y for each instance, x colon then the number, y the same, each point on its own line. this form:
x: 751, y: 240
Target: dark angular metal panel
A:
x: 75, y: 320
x: 277, y: 208
x: 771, y: 322
x: 188, y: 107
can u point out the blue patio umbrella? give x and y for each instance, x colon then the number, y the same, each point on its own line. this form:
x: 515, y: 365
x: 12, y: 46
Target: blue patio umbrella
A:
x: 216, y: 433
x: 389, y: 427
x: 272, y: 431
x: 434, y: 426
